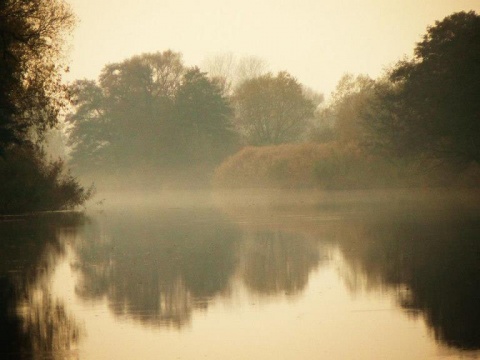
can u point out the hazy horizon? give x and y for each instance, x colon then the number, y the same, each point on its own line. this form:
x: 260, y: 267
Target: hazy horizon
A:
x: 315, y: 41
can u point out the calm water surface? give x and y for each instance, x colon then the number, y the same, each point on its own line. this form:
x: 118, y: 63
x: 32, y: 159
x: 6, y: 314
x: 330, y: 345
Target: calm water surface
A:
x: 305, y: 276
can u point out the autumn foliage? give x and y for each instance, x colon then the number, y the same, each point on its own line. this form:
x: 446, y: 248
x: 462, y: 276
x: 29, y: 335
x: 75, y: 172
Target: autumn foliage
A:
x: 307, y: 165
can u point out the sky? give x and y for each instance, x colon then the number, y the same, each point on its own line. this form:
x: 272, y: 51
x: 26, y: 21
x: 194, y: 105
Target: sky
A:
x: 316, y: 41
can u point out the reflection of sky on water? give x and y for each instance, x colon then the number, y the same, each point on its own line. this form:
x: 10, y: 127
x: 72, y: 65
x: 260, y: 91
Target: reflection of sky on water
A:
x: 34, y: 323
x: 373, y: 280
x: 159, y: 267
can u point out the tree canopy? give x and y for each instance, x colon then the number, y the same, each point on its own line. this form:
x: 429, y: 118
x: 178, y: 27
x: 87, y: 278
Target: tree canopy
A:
x: 153, y: 110
x: 230, y: 71
x: 32, y: 98
x: 431, y: 106
x: 31, y: 93
x: 272, y: 109
x: 203, y: 118
x: 149, y: 110
x: 342, y: 118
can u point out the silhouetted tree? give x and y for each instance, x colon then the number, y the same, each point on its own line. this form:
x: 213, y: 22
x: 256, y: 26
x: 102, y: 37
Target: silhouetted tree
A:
x: 431, y: 108
x: 249, y: 67
x: 31, y: 93
x: 31, y: 100
x: 139, y: 99
x: 272, y: 109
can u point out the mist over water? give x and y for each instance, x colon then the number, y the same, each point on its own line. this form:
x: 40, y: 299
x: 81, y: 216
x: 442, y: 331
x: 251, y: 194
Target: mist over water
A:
x: 223, y: 210
x: 367, y: 272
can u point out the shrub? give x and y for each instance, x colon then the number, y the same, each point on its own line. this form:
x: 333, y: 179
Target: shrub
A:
x: 30, y: 183
x: 330, y: 165
x: 285, y: 166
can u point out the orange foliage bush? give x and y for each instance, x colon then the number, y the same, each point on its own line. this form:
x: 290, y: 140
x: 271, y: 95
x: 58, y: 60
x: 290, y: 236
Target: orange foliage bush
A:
x: 306, y: 165
x: 333, y: 165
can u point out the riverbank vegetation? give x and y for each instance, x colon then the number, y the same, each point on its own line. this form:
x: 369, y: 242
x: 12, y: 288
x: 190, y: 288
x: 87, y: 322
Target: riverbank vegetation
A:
x: 332, y: 166
x: 417, y: 125
x: 241, y: 126
x: 32, y: 99
x: 30, y: 183
x: 151, y: 121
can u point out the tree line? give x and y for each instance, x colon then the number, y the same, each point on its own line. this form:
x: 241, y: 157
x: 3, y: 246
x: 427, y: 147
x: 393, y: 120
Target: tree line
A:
x: 151, y: 111
x: 416, y: 125
x: 425, y: 107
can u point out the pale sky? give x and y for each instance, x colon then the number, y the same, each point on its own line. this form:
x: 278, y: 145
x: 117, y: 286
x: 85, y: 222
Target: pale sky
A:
x: 314, y: 40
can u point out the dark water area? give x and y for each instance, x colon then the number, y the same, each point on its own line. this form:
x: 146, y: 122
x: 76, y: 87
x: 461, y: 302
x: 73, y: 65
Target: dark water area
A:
x: 291, y: 276
x: 34, y: 322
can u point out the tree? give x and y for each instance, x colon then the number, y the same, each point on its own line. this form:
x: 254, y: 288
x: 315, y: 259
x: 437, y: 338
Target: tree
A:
x: 432, y: 108
x: 121, y: 121
x: 91, y: 134
x: 249, y: 67
x: 31, y: 100
x: 31, y: 93
x: 203, y: 119
x: 230, y: 71
x: 149, y: 111
x: 272, y: 109
x: 139, y: 100
x: 343, y: 118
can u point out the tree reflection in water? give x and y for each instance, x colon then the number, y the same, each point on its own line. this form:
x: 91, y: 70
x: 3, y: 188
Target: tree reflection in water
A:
x: 34, y: 324
x: 431, y: 256
x: 277, y: 262
x: 426, y: 248
x: 156, y: 267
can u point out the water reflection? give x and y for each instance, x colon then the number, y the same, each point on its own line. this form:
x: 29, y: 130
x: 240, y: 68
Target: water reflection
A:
x: 425, y: 249
x: 34, y: 324
x: 156, y: 267
x: 431, y: 256
x: 159, y: 266
x: 277, y: 262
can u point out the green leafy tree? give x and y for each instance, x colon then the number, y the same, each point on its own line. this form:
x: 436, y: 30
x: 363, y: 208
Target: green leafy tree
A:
x: 272, y: 109
x: 90, y: 135
x: 203, y: 119
x: 121, y: 121
x: 432, y: 108
x: 149, y: 112
x: 139, y: 100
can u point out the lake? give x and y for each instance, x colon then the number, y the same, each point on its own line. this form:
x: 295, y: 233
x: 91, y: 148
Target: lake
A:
x: 340, y: 275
